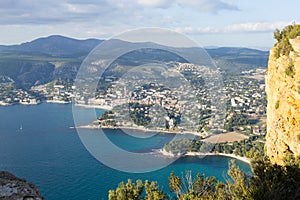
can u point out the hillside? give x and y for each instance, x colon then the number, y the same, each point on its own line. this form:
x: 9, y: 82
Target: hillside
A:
x: 55, y: 46
x: 57, y: 57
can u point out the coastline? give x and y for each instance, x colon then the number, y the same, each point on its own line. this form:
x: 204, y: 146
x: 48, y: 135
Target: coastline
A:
x: 243, y: 159
x: 166, y: 153
x: 57, y: 101
x: 104, y: 107
x: 91, y: 126
x: 169, y: 154
x: 162, y: 151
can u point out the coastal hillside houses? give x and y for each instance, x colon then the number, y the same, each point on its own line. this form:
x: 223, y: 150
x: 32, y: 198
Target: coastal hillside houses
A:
x: 243, y: 95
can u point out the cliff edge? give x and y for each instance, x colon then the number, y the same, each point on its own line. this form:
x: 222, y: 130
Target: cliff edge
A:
x: 283, y: 96
x: 15, y: 188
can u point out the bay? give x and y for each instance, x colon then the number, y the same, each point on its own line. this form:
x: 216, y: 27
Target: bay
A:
x: 37, y: 143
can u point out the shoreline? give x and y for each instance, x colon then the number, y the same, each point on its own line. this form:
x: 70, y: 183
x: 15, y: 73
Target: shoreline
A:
x: 243, y: 159
x: 104, y: 107
x: 169, y: 154
x: 90, y: 126
x: 57, y: 101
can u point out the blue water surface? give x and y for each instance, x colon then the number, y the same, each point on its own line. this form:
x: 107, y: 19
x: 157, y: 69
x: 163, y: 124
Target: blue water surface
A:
x: 37, y: 143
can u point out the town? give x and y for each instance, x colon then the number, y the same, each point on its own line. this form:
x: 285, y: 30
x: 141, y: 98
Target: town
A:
x: 157, y: 107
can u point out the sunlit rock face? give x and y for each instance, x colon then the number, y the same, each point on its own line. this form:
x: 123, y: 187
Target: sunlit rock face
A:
x: 283, y: 110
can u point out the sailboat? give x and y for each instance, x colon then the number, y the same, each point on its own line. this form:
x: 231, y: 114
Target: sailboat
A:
x: 20, y: 129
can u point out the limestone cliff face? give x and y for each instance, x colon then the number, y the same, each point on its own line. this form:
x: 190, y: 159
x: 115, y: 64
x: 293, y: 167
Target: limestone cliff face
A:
x: 283, y: 110
x: 15, y: 188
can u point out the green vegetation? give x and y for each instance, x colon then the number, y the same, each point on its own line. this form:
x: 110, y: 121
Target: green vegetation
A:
x: 137, y: 114
x: 7, y: 90
x: 277, y: 104
x: 235, y: 60
x: 298, y: 88
x: 136, y: 191
x: 268, y: 181
x: 290, y: 70
x: 283, y: 44
x: 107, y: 119
x: 106, y: 115
x: 235, y: 119
x: 250, y: 148
x: 271, y: 181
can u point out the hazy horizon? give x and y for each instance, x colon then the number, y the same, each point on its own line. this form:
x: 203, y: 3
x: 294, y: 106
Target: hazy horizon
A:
x: 206, y: 47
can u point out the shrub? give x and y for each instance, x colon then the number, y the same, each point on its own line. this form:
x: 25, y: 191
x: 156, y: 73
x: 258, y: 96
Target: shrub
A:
x: 277, y: 104
x: 290, y: 70
x: 283, y: 46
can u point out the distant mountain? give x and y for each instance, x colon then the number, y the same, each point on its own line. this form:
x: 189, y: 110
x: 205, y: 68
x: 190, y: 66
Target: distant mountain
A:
x: 56, y: 45
x: 233, y: 60
x: 58, y: 57
x: 234, y: 51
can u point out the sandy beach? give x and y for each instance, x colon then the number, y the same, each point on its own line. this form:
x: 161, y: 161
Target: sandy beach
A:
x: 169, y: 154
x: 244, y: 159
x: 57, y: 101
x: 139, y: 128
x: 104, y: 107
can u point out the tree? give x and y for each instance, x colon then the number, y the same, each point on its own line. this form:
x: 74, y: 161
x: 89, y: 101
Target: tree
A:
x: 129, y: 190
x: 134, y: 191
x: 153, y: 192
x: 272, y: 181
x: 269, y: 181
x: 277, y: 35
x: 238, y: 185
x: 175, y: 184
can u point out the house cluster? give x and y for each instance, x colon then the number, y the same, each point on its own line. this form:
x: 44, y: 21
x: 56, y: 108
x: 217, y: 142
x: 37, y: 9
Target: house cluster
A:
x: 246, y: 96
x: 197, y: 103
x: 56, y: 92
x: 10, y: 96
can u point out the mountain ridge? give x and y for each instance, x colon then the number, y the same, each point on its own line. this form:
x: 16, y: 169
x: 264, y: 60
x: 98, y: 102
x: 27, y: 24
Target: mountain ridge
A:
x: 58, y: 57
x: 55, y: 45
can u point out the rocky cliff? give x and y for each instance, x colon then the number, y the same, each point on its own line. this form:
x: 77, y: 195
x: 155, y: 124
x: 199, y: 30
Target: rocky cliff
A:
x: 15, y: 188
x: 283, y: 96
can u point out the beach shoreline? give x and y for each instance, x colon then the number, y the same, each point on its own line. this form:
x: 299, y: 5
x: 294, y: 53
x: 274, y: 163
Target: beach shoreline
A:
x: 104, y: 107
x: 57, y: 102
x: 143, y: 129
x: 192, y: 154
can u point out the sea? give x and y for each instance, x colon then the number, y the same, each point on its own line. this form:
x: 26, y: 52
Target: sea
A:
x: 39, y: 143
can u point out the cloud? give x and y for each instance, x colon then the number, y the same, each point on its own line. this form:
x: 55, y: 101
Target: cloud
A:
x: 199, y: 5
x: 57, y: 11
x: 250, y: 27
x: 156, y: 3
x: 213, y: 6
x: 256, y: 27
x: 50, y: 12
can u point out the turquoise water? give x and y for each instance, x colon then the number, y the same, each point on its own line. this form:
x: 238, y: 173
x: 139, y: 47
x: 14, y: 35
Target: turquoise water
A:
x: 50, y: 154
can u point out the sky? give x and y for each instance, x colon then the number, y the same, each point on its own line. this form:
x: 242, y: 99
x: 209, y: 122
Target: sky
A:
x: 239, y: 23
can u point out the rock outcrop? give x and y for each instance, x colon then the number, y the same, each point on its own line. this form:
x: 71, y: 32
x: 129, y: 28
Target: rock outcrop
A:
x: 15, y: 188
x: 283, y: 110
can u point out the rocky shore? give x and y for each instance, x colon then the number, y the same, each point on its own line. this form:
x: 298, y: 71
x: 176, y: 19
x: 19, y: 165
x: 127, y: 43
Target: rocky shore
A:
x: 15, y: 188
